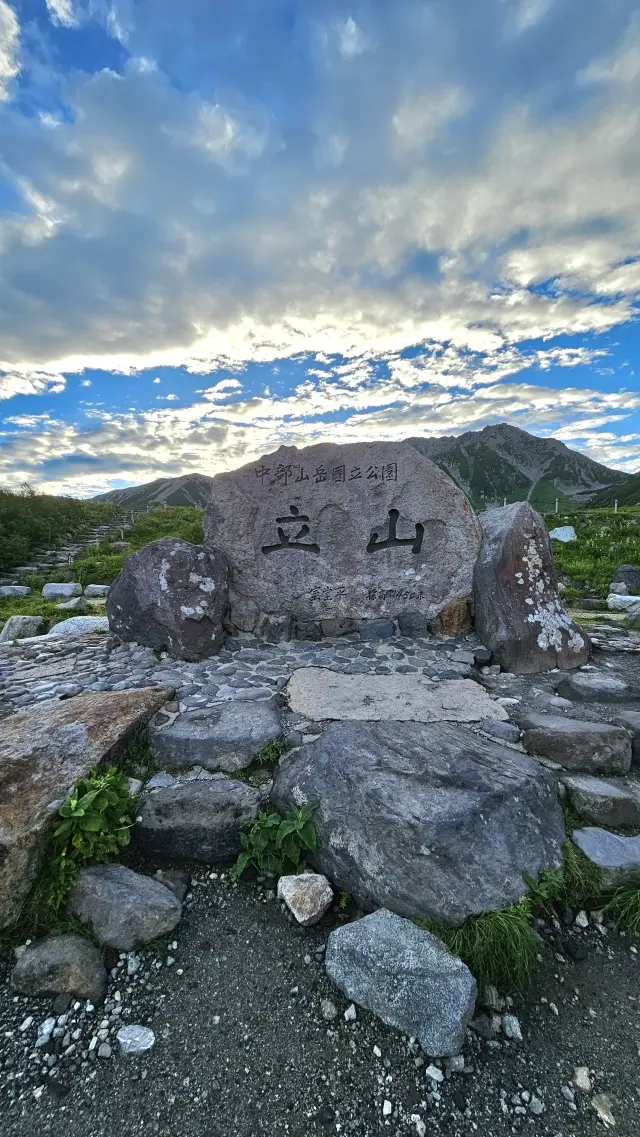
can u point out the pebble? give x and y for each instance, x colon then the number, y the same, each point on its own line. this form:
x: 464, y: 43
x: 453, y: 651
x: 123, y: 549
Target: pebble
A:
x: 581, y: 1079
x: 434, y: 1073
x: 328, y: 1009
x: 511, y: 1028
x: 135, y: 1039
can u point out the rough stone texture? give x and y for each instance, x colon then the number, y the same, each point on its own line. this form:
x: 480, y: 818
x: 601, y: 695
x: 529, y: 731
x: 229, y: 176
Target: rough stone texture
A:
x: 225, y: 737
x: 412, y: 624
x: 630, y: 720
x: 632, y: 618
x: 134, y: 1040
x: 319, y: 694
x: 629, y: 575
x: 43, y: 752
x: 453, y: 620
x: 199, y: 820
x: 123, y: 908
x: 619, y: 589
x: 244, y: 614
x: 61, y: 590
x: 297, y: 526
x: 19, y: 627
x: 591, y: 747
x: 339, y: 626
x: 517, y: 608
x: 407, y: 977
x: 563, y: 533
x: 307, y: 896
x: 505, y: 731
x: 96, y: 591
x: 172, y: 596
x: 61, y: 965
x: 78, y: 605
x: 617, y: 602
x: 376, y: 629
x: 428, y: 820
x: 589, y: 687
x: 617, y: 858
x: 611, y: 802
x: 13, y: 591
x: 80, y: 626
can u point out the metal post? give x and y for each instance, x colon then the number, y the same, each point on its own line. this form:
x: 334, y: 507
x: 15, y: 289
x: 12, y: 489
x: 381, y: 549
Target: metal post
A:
x: 615, y: 506
x: 556, y: 505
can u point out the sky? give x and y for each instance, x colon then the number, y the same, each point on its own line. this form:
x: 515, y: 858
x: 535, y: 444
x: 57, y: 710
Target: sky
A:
x: 225, y: 226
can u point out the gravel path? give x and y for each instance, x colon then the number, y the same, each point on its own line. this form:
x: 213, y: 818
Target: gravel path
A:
x: 244, y: 1044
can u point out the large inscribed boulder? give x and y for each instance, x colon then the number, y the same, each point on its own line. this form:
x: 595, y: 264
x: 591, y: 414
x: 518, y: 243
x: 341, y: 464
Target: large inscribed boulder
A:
x: 425, y: 819
x: 517, y: 608
x: 43, y: 752
x: 172, y: 596
x: 329, y: 532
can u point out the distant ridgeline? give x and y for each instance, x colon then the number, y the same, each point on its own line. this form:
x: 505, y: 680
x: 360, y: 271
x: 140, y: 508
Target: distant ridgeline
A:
x: 30, y: 522
x: 489, y: 465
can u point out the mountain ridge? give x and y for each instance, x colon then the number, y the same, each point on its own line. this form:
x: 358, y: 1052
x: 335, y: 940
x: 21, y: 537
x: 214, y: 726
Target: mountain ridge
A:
x: 497, y: 462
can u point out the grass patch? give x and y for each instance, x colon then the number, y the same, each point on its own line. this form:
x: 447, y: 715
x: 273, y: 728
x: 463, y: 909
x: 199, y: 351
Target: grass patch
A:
x: 272, y: 752
x: 624, y: 907
x: 32, y: 606
x: 605, y: 540
x: 102, y: 564
x: 498, y: 948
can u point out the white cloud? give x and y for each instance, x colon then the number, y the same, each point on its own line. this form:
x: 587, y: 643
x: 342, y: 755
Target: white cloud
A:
x: 171, y: 398
x: 62, y: 12
x: 9, y: 47
x: 351, y: 39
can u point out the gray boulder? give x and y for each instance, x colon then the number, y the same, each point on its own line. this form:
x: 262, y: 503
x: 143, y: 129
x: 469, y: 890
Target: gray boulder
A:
x: 629, y: 575
x: 307, y: 895
x: 61, y: 965
x: 591, y: 747
x: 617, y: 858
x: 517, y: 608
x: 630, y: 720
x: 612, y: 802
x: 632, y: 617
x: 225, y: 737
x: 425, y: 819
x: 594, y: 687
x: 123, y: 908
x: 96, y: 591
x: 44, y: 751
x: 361, y: 531
x: 199, y: 820
x: 61, y: 590
x: 20, y: 627
x: 407, y: 977
x: 172, y: 596
x: 13, y: 591
x: 80, y: 626
x: 78, y: 605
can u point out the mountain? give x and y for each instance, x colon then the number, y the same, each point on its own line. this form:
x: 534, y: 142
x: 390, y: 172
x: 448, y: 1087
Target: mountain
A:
x: 189, y: 489
x: 628, y: 493
x: 504, y: 461
x: 489, y: 465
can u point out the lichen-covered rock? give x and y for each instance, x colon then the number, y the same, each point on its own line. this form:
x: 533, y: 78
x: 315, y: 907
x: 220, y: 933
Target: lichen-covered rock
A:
x: 20, y: 627
x: 123, y: 908
x: 517, y: 609
x: 61, y: 965
x: 43, y: 752
x: 427, y: 820
x: 407, y: 977
x: 172, y: 596
x: 330, y: 532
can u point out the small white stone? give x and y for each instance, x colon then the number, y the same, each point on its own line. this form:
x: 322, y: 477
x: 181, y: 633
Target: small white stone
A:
x: 581, y: 1079
x: 377, y: 1051
x: 350, y: 1014
x: 386, y: 1108
x: 435, y: 1073
x: 135, y: 1039
x: 307, y: 896
x: 26, y: 1023
x: 328, y: 1009
x: 582, y: 920
x: 511, y: 1028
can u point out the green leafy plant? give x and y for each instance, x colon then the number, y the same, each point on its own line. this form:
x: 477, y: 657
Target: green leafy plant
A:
x: 345, y: 900
x: 498, y: 947
x: 272, y: 751
x: 276, y: 845
x: 624, y: 906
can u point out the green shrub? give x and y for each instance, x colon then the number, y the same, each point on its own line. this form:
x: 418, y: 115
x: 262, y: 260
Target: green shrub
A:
x: 498, y: 948
x: 274, y: 845
x: 605, y: 540
x: 272, y: 752
x: 624, y: 906
x: 30, y: 521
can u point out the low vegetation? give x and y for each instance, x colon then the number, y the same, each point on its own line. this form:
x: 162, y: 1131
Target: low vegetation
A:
x: 30, y: 521
x: 102, y: 563
x: 605, y: 540
x: 276, y: 846
x: 94, y: 824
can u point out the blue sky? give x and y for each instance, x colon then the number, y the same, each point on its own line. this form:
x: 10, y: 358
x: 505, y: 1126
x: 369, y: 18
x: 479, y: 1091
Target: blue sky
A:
x: 224, y: 226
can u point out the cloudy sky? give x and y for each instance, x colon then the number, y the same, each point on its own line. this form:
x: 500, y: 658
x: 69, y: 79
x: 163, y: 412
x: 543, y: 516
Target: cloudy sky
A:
x: 226, y: 224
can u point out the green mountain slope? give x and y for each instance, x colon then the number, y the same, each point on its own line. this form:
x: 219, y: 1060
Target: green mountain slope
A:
x: 627, y: 493
x: 503, y: 461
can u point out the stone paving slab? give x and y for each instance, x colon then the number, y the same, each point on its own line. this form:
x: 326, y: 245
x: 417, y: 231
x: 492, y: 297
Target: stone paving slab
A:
x: 321, y: 694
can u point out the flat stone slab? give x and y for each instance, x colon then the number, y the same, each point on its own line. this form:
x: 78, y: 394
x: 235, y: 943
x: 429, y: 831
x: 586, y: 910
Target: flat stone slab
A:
x: 79, y: 626
x: 226, y: 737
x: 590, y: 747
x: 589, y: 686
x: 407, y: 977
x: 614, y: 802
x: 320, y: 694
x: 617, y: 858
x: 630, y: 720
x: 199, y: 820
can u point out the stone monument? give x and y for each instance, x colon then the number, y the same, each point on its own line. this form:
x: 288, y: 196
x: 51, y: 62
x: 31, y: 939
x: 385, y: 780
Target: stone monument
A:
x: 331, y: 532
